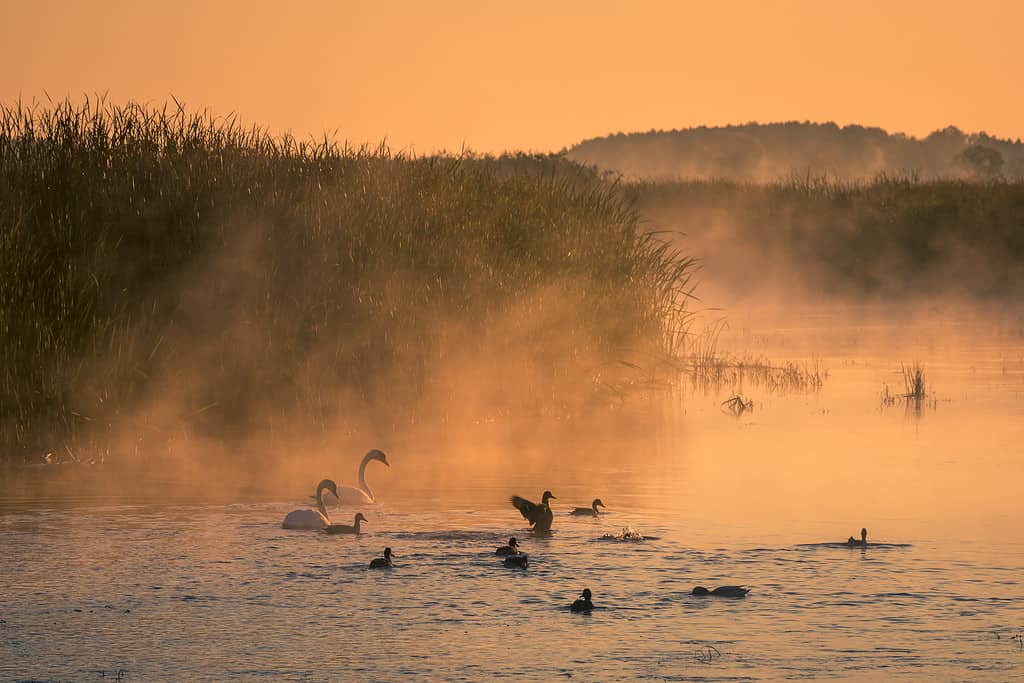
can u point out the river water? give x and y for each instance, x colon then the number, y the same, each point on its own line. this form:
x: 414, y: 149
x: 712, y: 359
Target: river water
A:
x: 132, y: 589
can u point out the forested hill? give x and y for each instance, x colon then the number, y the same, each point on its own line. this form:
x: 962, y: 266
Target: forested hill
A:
x: 765, y: 152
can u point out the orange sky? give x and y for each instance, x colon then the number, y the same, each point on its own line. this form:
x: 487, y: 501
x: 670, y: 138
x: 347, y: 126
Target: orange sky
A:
x: 530, y: 75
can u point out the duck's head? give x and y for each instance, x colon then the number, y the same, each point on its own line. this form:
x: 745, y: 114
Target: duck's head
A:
x: 597, y: 502
x: 513, y: 543
x: 700, y: 590
x: 547, y: 494
x: 387, y: 553
x: 586, y: 594
x: 378, y: 456
x: 360, y: 518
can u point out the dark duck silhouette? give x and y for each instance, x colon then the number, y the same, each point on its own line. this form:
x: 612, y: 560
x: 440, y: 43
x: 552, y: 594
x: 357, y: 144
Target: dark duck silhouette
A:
x: 519, y: 560
x: 722, y: 591
x: 511, y: 549
x: 583, y: 603
x: 539, y: 516
x: 382, y: 562
x: 863, y: 538
x: 345, y: 528
x: 590, y: 511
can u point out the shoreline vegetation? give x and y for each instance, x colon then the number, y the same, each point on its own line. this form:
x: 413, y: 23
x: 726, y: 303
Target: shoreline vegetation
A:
x: 894, y: 236
x: 169, y: 276
x: 765, y: 152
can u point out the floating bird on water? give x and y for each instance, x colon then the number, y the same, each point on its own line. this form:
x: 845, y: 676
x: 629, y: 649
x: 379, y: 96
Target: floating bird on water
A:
x: 311, y: 519
x: 350, y: 495
x: 722, y: 591
x: 863, y: 538
x: 590, y: 511
x: 345, y: 528
x: 627, y: 533
x: 583, y: 603
x: 520, y: 560
x: 511, y: 549
x: 382, y: 562
x: 539, y: 516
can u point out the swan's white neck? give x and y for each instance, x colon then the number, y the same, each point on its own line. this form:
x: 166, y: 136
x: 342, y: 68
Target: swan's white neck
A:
x: 320, y: 501
x: 362, y: 477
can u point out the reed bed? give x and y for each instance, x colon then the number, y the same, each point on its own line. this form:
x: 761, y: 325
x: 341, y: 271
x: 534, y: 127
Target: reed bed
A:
x: 895, y: 235
x: 167, y: 274
x: 706, y: 371
x: 913, y: 382
x: 916, y: 394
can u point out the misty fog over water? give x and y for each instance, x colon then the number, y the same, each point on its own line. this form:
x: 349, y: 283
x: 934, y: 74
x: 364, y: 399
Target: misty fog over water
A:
x: 844, y: 355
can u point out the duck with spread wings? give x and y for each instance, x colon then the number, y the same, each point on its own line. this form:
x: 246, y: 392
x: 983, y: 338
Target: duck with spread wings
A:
x: 538, y: 515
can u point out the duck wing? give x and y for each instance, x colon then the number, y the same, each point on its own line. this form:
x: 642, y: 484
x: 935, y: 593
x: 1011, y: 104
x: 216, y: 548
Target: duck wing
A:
x: 530, y: 511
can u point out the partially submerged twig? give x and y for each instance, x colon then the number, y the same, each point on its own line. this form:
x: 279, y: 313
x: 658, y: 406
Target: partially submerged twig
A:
x: 736, y: 405
x: 708, y: 653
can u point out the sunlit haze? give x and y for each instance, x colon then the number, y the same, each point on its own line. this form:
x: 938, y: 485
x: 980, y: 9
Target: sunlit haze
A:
x: 717, y: 374
x: 532, y: 75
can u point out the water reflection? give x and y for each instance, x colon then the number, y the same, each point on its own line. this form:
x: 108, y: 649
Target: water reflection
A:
x: 180, y: 588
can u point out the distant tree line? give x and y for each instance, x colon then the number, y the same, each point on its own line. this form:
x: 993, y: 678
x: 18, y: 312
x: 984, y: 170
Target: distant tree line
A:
x: 756, y: 152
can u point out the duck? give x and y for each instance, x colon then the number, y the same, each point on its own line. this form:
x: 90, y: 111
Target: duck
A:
x: 345, y: 528
x: 311, y: 519
x: 511, y: 549
x: 722, y: 591
x: 863, y: 538
x: 538, y: 515
x: 590, y: 511
x: 583, y: 603
x: 382, y: 562
x: 519, y: 560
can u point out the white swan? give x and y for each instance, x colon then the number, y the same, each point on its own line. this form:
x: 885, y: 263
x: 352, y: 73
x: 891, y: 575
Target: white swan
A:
x: 311, y: 519
x: 350, y: 495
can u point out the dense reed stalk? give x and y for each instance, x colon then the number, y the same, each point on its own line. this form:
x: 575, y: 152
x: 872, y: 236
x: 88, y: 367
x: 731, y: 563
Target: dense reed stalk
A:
x: 170, y: 272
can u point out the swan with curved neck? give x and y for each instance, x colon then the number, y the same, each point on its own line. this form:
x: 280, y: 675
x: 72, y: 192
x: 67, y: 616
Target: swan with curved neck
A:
x: 350, y: 495
x: 311, y: 519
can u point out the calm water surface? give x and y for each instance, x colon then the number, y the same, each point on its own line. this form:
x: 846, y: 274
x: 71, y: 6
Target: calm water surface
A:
x: 175, y: 591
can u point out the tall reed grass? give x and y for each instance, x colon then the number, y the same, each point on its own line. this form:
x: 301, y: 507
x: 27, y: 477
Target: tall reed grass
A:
x: 892, y: 236
x: 169, y: 272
